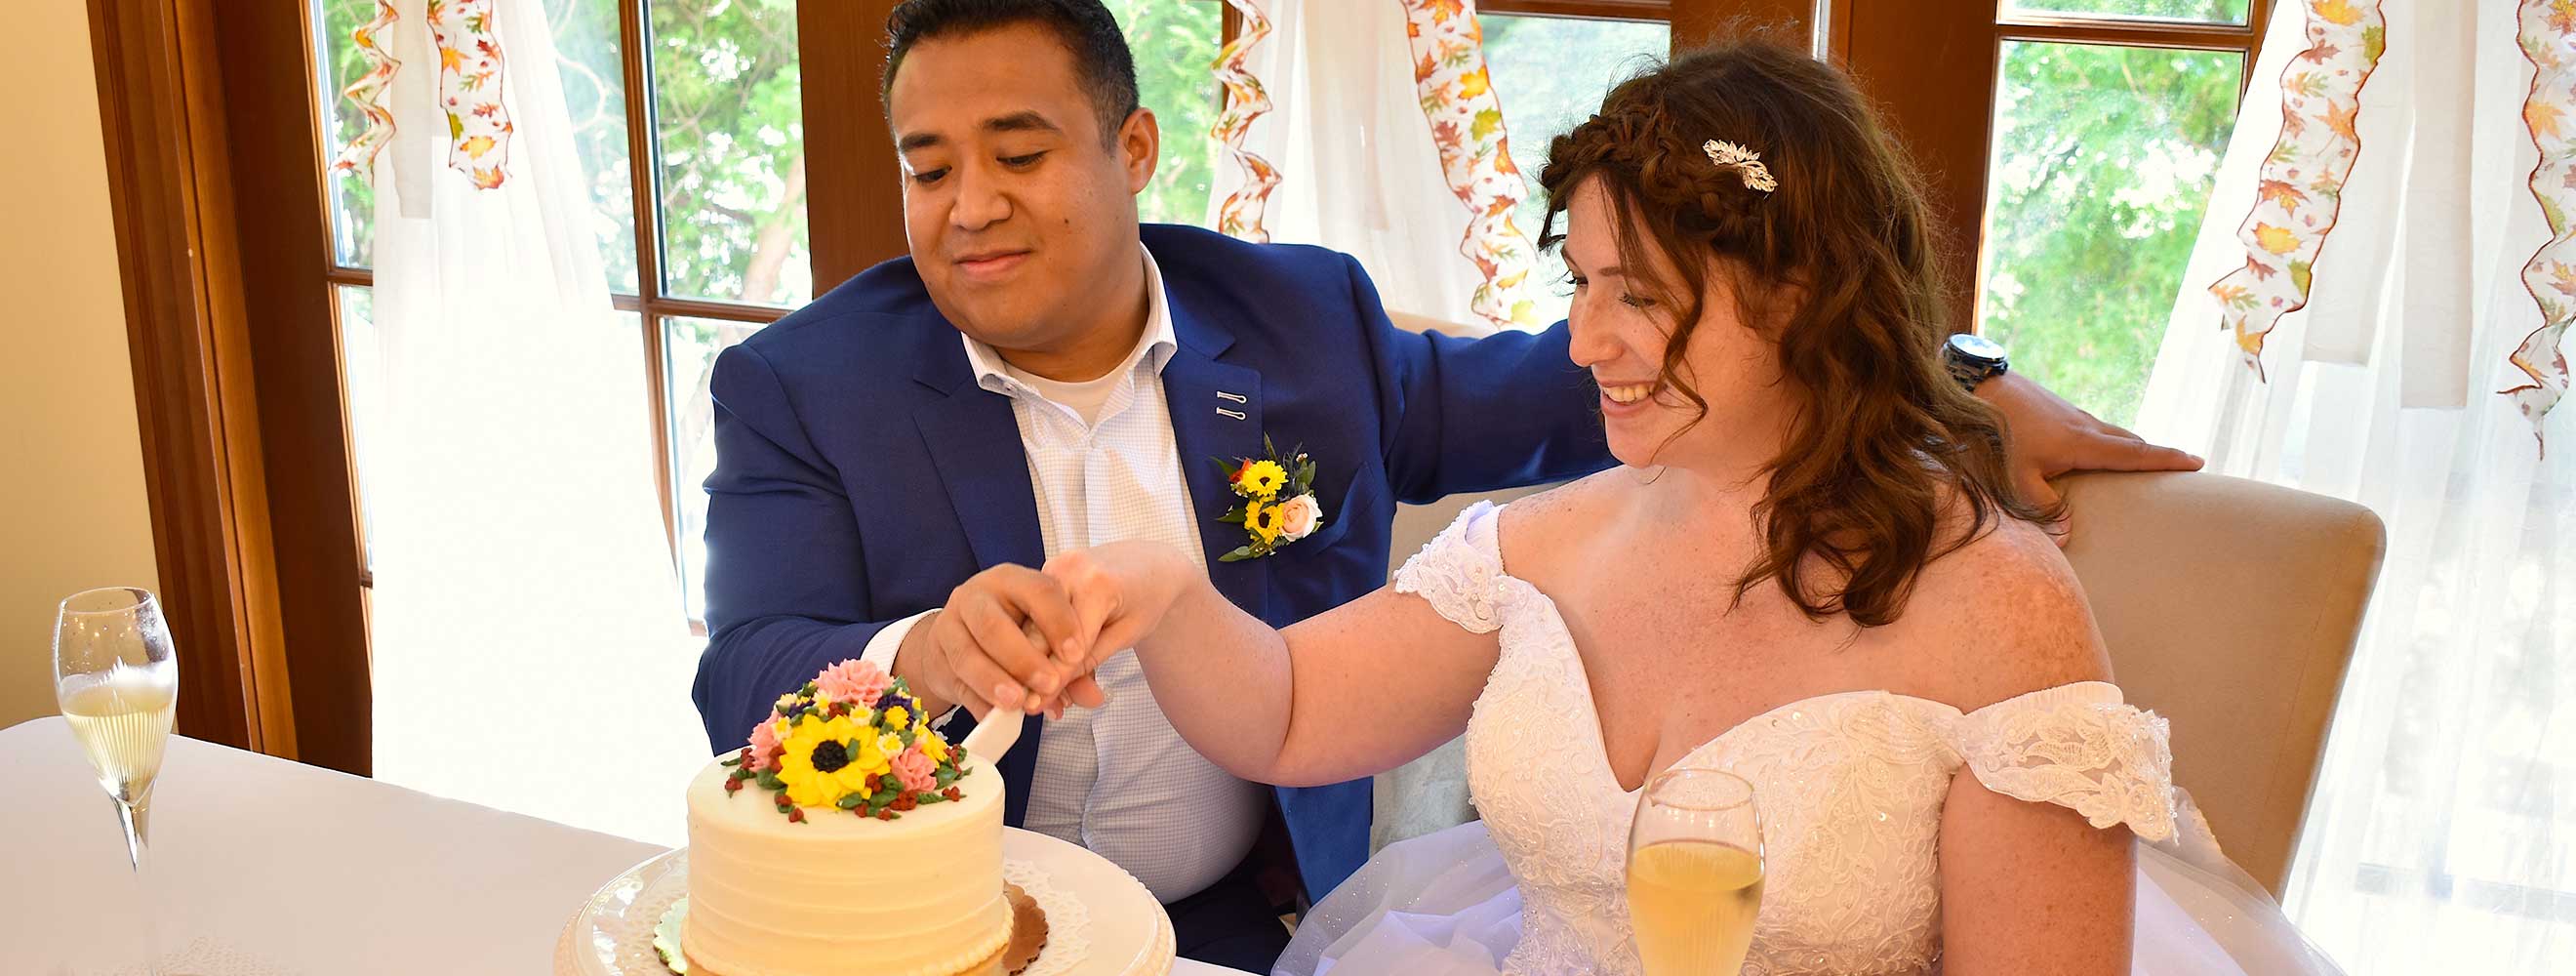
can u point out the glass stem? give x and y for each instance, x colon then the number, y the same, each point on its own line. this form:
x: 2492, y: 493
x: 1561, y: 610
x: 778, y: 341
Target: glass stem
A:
x: 136, y: 817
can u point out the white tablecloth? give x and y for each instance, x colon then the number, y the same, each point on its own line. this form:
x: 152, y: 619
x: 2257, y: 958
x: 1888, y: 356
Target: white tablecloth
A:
x: 263, y: 867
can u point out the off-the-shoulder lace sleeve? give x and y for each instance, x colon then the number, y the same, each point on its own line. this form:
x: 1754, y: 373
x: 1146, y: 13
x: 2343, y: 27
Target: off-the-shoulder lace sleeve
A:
x: 2079, y: 746
x: 1461, y: 570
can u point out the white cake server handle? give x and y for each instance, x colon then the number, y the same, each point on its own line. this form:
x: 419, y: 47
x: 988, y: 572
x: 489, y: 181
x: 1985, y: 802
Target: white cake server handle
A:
x: 994, y: 734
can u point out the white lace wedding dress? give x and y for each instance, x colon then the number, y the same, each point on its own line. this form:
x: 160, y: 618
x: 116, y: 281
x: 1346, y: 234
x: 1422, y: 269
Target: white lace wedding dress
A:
x: 1849, y: 787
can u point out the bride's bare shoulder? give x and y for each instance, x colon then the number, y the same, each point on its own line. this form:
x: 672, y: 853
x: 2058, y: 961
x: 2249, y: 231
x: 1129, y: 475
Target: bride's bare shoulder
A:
x: 2010, y: 616
x: 1542, y: 530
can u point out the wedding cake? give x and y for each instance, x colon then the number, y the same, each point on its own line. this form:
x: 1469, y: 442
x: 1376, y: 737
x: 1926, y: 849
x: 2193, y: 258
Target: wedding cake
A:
x: 848, y: 837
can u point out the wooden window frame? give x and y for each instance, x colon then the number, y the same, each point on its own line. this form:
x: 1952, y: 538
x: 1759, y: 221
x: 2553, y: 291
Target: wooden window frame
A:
x: 1910, y: 57
x: 843, y: 239
x: 1641, y: 10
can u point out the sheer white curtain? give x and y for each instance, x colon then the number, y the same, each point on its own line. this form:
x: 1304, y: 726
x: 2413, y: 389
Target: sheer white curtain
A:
x: 1359, y: 172
x: 2443, y: 834
x: 530, y: 651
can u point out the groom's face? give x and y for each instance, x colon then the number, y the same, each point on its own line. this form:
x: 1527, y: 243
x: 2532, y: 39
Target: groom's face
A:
x: 1019, y: 207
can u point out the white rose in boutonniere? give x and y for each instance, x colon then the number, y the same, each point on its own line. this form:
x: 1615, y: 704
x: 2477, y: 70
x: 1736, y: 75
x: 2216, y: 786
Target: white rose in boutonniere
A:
x: 1299, y: 517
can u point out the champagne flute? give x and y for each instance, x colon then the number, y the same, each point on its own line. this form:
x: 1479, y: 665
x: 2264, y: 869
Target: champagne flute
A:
x: 1694, y: 873
x: 118, y: 682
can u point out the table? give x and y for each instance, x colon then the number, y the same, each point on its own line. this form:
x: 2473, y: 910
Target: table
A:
x: 264, y: 867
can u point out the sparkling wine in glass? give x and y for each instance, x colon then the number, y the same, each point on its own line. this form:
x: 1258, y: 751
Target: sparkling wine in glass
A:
x: 1694, y: 873
x: 118, y: 684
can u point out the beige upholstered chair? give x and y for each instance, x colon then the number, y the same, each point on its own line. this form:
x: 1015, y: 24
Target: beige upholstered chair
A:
x: 2230, y: 607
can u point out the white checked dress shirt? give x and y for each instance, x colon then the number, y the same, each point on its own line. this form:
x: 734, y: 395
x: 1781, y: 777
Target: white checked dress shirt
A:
x: 1106, y: 468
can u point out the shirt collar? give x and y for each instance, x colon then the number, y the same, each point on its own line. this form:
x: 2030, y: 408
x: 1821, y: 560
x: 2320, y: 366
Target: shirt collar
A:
x: 1155, y: 345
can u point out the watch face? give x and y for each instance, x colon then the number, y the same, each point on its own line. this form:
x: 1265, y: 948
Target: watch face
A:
x: 1976, y: 346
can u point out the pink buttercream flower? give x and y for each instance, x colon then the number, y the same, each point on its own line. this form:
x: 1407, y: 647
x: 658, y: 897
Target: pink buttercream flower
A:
x: 916, y: 771
x: 853, y: 681
x: 764, y: 746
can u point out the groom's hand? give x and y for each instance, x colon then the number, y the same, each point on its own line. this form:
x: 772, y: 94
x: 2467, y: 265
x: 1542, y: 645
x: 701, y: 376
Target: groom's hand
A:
x: 2045, y: 436
x: 997, y: 644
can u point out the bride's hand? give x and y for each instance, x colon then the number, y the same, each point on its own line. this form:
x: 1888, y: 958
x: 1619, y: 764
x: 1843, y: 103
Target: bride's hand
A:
x: 1120, y: 593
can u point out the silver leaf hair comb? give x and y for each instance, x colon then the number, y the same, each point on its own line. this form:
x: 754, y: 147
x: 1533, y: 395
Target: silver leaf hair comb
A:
x: 1728, y: 155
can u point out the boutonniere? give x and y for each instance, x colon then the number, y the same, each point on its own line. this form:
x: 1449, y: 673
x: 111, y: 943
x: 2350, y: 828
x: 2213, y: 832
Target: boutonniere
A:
x: 1278, y: 506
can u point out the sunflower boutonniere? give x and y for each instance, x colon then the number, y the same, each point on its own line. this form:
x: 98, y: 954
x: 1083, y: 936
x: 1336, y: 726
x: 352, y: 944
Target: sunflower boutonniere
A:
x: 1278, y: 506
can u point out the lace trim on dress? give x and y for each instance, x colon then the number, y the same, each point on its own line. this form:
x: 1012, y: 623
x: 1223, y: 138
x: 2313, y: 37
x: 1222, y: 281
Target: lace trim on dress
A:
x: 1460, y: 571
x: 2080, y: 747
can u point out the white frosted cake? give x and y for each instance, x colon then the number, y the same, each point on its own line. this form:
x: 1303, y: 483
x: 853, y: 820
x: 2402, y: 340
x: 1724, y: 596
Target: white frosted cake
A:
x: 847, y: 838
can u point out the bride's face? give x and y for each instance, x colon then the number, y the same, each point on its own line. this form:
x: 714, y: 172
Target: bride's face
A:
x: 1621, y: 331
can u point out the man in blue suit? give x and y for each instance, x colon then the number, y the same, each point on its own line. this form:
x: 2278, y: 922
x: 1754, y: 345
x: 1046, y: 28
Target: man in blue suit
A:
x: 895, y: 456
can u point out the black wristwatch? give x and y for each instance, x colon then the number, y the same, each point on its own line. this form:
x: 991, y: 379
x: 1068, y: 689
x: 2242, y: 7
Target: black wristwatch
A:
x: 1973, y: 359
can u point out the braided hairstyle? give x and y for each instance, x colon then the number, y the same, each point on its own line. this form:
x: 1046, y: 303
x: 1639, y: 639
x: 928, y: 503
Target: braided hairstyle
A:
x: 1840, y: 264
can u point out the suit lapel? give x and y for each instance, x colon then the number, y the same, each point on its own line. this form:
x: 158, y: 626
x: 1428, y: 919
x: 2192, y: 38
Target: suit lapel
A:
x: 974, y: 442
x: 1216, y: 413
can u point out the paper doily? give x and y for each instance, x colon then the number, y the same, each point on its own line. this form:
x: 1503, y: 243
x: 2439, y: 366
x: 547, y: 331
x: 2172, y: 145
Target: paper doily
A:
x: 1068, y: 920
x: 635, y: 933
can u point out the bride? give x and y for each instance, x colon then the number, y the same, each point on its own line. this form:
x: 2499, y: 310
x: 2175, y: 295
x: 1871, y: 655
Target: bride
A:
x: 1812, y: 573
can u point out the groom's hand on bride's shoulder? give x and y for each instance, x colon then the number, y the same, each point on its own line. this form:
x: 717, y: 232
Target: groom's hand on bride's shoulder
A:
x: 2045, y: 436
x: 1003, y: 640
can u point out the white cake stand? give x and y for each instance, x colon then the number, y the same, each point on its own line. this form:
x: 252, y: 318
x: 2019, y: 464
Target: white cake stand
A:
x: 1100, y: 921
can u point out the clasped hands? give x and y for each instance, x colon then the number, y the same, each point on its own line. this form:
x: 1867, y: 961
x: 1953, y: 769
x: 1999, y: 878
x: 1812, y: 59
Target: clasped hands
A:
x: 1017, y: 637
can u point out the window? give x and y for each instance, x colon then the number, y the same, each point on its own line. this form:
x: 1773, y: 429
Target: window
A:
x: 1551, y: 63
x: 728, y: 116
x: 2109, y: 120
x: 1175, y: 44
x: 722, y: 204
x: 2181, y: 11
x: 2103, y: 157
x: 1550, y: 73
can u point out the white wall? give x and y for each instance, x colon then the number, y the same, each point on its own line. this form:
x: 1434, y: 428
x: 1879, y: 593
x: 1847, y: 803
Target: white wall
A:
x: 72, y: 509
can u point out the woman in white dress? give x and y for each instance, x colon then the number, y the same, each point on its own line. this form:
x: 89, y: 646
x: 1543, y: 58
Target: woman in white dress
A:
x: 1811, y: 572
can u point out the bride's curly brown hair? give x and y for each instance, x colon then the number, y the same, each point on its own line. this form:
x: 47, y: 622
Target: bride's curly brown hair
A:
x: 1842, y: 261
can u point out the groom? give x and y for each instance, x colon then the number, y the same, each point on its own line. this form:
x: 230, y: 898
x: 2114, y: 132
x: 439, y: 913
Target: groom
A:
x: 1043, y: 374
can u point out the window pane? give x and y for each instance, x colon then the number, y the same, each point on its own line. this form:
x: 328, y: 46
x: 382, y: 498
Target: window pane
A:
x: 2103, y: 158
x: 1550, y: 73
x: 353, y: 202
x: 594, y: 87
x: 1175, y: 44
x: 359, y: 382
x: 689, y: 350
x: 730, y: 118
x: 589, y: 56
x: 2197, y: 11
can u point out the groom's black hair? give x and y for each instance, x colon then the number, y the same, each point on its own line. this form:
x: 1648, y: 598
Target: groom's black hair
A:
x: 1085, y: 26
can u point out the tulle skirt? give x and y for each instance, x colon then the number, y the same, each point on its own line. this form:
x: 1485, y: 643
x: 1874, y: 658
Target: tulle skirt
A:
x: 1444, y: 905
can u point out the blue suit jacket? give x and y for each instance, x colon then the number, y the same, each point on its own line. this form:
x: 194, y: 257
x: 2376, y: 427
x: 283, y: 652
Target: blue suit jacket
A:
x: 862, y: 473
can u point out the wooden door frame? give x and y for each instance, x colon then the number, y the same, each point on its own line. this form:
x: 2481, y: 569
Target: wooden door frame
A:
x: 218, y: 218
